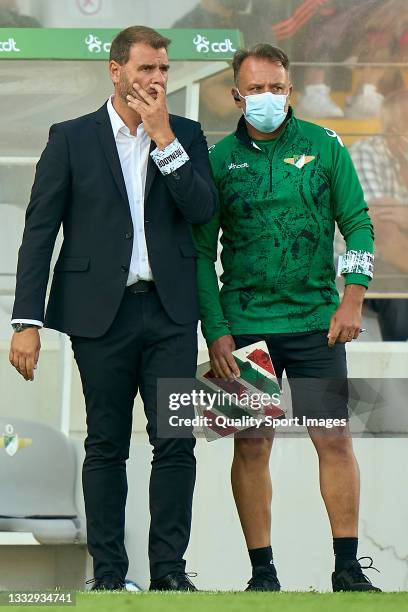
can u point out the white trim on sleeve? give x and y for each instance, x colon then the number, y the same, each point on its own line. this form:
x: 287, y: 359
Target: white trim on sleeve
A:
x: 31, y: 321
x: 356, y: 262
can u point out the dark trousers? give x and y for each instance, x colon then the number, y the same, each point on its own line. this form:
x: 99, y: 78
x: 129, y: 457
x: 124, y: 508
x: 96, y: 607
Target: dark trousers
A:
x: 142, y: 345
x: 317, y: 374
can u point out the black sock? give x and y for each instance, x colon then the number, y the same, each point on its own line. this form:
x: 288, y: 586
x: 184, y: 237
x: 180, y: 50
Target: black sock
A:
x: 345, y: 549
x: 261, y: 557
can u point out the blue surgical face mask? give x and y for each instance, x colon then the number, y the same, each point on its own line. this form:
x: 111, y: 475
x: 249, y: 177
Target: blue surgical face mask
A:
x: 265, y: 111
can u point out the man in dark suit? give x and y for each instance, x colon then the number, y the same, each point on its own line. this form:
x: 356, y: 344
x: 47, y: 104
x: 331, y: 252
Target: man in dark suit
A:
x: 126, y: 182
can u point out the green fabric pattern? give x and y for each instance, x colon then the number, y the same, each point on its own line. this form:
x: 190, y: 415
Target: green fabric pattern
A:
x: 278, y: 222
x: 267, y: 146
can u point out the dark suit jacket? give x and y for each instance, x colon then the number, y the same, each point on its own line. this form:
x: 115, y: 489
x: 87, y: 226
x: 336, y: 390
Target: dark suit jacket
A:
x: 79, y: 183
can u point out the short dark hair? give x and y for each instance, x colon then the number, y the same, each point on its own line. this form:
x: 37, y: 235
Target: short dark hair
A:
x: 122, y: 43
x: 263, y: 51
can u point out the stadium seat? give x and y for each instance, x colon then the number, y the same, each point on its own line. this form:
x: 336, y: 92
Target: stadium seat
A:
x: 37, y: 480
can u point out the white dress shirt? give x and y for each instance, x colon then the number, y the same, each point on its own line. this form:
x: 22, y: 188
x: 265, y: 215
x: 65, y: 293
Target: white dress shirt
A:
x: 134, y: 155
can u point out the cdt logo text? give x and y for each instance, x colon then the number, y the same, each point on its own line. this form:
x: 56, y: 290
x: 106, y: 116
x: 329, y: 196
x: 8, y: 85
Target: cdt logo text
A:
x: 95, y: 45
x: 9, y: 45
x: 203, y: 45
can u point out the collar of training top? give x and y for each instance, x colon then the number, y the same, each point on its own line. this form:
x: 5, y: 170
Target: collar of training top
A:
x: 241, y: 133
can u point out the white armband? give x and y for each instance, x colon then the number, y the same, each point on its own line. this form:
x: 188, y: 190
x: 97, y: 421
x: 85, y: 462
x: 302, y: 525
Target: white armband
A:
x: 170, y: 158
x: 356, y: 262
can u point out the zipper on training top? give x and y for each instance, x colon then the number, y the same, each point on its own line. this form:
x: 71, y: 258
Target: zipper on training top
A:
x: 269, y: 161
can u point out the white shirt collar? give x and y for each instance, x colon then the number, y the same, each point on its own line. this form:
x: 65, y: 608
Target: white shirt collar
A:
x: 117, y: 122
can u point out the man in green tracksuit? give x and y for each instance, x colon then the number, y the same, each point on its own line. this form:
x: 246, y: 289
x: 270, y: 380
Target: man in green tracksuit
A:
x: 283, y: 183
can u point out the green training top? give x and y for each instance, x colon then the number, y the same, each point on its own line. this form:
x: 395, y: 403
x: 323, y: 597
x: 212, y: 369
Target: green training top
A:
x: 278, y: 208
x: 267, y: 146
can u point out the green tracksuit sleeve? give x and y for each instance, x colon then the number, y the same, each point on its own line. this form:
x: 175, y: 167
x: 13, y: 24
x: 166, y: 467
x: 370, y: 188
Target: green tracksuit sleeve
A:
x: 351, y: 215
x: 213, y: 322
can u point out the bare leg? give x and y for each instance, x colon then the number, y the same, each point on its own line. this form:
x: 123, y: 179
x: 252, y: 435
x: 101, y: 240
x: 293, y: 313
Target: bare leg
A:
x: 339, y: 478
x: 252, y: 489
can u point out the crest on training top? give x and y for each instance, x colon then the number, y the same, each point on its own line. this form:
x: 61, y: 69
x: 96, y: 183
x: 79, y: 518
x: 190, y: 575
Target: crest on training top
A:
x: 299, y: 160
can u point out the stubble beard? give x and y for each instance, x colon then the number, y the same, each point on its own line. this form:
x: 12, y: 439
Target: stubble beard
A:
x: 125, y: 89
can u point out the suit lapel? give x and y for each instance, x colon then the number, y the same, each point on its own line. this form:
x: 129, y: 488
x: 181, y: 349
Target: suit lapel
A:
x: 151, y: 172
x: 108, y: 144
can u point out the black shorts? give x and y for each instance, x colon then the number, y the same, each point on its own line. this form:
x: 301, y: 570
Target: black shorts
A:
x: 317, y: 374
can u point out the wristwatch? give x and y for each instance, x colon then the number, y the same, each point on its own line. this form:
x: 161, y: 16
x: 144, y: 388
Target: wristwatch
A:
x: 19, y: 327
